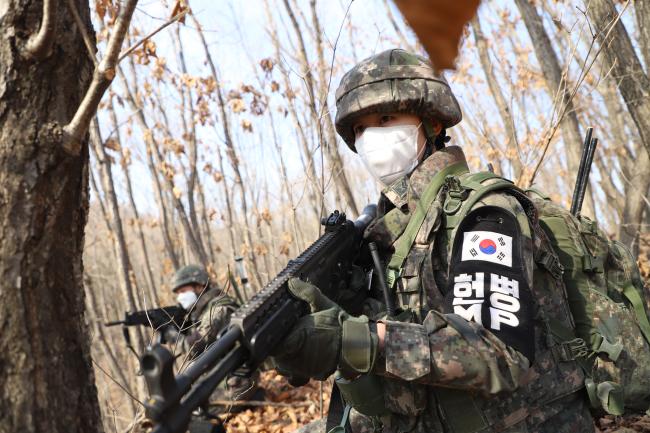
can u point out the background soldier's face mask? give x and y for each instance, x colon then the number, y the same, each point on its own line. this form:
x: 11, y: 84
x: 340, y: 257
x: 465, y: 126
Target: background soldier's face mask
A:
x: 389, y: 152
x: 187, y: 299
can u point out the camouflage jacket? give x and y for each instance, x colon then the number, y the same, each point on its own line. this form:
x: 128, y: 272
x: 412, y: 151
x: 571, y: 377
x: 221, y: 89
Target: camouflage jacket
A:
x: 473, y: 352
x: 210, y: 314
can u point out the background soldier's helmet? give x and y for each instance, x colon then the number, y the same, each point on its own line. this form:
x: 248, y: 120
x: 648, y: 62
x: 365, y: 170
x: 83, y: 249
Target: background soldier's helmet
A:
x: 190, y: 274
x: 393, y: 81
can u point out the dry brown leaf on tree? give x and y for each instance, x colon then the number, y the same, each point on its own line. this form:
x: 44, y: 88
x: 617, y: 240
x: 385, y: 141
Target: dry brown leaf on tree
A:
x: 439, y: 25
x: 179, y: 7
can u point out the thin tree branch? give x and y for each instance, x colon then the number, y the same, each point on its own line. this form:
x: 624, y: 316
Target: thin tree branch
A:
x: 122, y: 387
x: 259, y: 403
x: 102, y: 78
x: 39, y: 45
x: 135, y: 46
x: 584, y: 73
x: 88, y: 42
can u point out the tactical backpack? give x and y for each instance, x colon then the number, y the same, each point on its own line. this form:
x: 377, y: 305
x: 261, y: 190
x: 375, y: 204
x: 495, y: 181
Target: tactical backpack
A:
x: 611, y: 338
x: 606, y: 297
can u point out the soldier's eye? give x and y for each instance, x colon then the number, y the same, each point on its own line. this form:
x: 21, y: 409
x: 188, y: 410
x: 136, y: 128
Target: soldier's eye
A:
x: 385, y: 119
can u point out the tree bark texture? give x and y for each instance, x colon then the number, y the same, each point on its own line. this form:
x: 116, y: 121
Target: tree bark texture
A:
x: 627, y: 69
x: 497, y: 94
x: 48, y: 383
x: 557, y: 85
x: 634, y: 86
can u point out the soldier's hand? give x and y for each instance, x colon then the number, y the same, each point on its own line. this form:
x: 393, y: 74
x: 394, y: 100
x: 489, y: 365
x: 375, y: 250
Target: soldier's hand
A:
x: 324, y: 340
x: 311, y: 349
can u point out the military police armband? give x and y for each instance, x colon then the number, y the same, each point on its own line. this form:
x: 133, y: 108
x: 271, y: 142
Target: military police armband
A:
x: 487, y: 278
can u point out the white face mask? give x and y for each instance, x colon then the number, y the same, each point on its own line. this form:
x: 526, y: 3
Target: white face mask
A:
x: 187, y: 299
x: 389, y: 152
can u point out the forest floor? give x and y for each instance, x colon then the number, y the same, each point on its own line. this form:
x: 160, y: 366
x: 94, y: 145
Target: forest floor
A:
x: 288, y: 408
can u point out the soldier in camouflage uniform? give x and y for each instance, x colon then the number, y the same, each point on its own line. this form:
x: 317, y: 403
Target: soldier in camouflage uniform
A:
x: 210, y: 310
x: 470, y: 348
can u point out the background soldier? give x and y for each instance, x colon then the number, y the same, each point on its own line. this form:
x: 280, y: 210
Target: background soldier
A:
x: 210, y: 309
x: 469, y: 348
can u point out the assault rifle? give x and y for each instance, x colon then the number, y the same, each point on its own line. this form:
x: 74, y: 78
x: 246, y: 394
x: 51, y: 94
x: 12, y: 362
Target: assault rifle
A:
x: 255, y: 329
x: 160, y: 319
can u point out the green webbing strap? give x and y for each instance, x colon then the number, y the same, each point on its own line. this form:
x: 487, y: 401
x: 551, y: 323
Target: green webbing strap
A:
x: 537, y: 192
x: 633, y: 296
x: 338, y: 413
x: 475, y: 180
x: 454, y: 220
x: 405, y: 242
x: 608, y: 395
x: 570, y: 347
x: 460, y: 412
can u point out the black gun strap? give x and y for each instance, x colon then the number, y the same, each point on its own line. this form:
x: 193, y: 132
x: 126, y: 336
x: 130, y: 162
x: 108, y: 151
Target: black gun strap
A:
x: 336, y: 411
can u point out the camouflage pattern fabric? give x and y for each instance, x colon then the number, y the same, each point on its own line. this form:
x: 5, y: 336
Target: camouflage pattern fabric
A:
x: 190, y: 274
x: 210, y: 314
x: 393, y: 81
x: 439, y: 368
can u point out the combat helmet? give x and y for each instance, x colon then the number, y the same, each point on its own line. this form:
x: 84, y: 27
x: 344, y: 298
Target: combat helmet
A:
x: 393, y: 81
x: 190, y: 274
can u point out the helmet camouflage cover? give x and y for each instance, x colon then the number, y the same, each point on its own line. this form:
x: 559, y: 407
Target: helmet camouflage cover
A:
x: 393, y: 81
x: 190, y: 274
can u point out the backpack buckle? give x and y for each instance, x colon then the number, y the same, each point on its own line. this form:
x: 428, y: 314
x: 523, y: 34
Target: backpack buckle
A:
x: 572, y: 349
x: 551, y: 263
x: 456, y: 194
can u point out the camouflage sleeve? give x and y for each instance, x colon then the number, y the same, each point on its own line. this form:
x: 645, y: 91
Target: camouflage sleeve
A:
x: 215, y: 316
x: 447, y: 350
x: 483, y: 340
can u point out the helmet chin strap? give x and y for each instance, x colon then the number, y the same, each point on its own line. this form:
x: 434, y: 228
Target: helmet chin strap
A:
x: 433, y: 140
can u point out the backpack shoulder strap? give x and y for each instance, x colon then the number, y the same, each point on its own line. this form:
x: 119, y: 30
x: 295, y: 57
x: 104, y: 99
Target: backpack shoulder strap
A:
x: 464, y: 192
x: 405, y: 242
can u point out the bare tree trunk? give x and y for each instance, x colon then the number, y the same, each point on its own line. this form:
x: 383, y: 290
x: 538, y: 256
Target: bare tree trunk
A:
x: 556, y: 81
x: 231, y: 152
x: 337, y: 167
x: 636, y: 189
x: 229, y: 210
x: 106, y: 347
x: 627, y: 70
x: 635, y: 171
x: 404, y: 43
x: 190, y: 133
x: 154, y: 152
x: 207, y: 230
x: 48, y: 383
x: 331, y: 149
x: 495, y: 89
x: 642, y: 9
x: 157, y: 187
x: 119, y: 241
x: 315, y: 194
x: 134, y: 208
x: 634, y: 86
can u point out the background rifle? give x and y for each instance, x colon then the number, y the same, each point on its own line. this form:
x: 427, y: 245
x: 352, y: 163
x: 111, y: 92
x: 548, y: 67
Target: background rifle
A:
x: 255, y: 329
x: 160, y: 319
x: 582, y: 180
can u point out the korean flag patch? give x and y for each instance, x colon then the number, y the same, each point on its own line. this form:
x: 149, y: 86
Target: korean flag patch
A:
x: 488, y: 247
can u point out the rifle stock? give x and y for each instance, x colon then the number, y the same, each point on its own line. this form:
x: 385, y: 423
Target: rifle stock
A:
x: 255, y: 329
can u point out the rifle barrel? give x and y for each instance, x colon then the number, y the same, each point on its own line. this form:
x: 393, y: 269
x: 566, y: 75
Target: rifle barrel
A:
x: 114, y: 323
